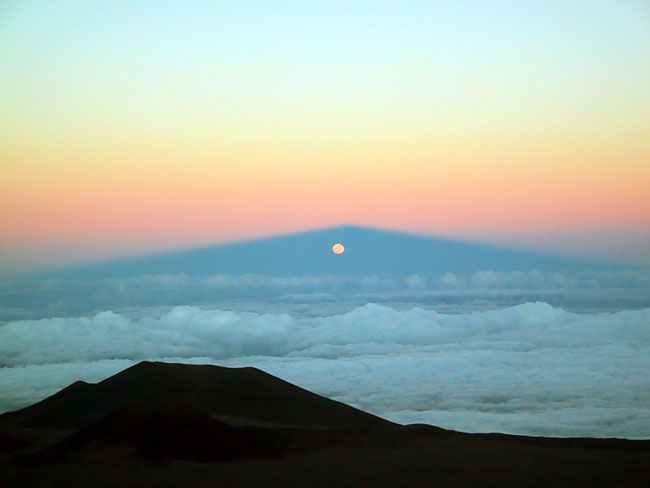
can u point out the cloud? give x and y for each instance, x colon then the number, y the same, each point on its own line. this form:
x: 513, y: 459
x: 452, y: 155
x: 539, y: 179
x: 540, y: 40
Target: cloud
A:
x: 531, y: 368
x: 187, y: 331
x: 416, y: 281
x: 34, y: 298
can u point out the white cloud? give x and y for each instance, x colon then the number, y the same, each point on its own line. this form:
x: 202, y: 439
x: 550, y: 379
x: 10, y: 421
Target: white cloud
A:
x: 33, y: 298
x: 532, y: 368
x: 416, y: 281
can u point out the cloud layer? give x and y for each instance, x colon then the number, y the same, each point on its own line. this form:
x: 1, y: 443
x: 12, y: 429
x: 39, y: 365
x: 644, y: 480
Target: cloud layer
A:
x: 583, y: 291
x: 531, y: 368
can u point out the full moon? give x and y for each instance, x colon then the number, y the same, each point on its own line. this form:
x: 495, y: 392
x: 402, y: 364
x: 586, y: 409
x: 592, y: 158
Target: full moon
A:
x: 338, y: 248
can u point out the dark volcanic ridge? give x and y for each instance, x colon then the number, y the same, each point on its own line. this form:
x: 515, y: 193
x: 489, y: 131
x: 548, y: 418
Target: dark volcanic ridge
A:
x: 245, y: 396
x: 174, y: 432
x: 211, y: 414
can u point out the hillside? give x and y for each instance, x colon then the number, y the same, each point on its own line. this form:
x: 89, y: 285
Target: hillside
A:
x: 245, y: 395
x: 164, y: 425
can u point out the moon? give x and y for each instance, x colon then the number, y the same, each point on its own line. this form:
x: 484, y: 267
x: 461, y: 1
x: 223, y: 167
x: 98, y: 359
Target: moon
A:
x: 338, y: 248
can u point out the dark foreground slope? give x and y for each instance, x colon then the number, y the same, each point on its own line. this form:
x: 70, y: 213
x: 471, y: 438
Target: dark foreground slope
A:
x: 178, y: 431
x: 159, y: 424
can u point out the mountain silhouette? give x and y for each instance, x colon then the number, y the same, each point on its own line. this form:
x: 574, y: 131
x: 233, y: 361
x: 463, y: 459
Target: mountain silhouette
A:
x: 243, y: 396
x: 175, y: 432
x: 163, y: 424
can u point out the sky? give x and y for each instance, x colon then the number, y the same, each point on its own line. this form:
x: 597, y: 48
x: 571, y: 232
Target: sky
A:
x: 135, y: 127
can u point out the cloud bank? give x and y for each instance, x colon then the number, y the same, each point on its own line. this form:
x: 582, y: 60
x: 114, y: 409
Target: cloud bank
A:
x: 531, y: 369
x: 582, y: 291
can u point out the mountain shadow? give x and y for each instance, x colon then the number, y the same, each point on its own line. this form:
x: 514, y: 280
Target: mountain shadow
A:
x: 368, y: 252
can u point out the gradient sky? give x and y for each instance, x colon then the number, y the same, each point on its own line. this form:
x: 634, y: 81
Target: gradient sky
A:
x: 131, y: 127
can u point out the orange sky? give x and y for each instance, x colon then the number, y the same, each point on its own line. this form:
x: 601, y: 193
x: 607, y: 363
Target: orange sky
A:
x: 117, y: 140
